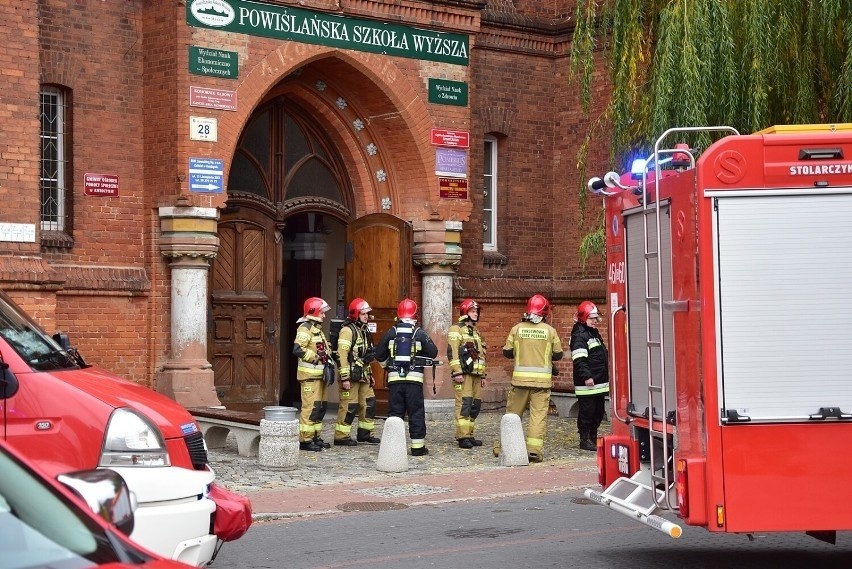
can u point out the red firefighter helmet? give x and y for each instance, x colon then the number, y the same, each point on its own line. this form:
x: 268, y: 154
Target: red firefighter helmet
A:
x: 466, y: 306
x: 538, y: 305
x: 315, y: 306
x: 406, y: 309
x: 586, y: 310
x: 356, y: 307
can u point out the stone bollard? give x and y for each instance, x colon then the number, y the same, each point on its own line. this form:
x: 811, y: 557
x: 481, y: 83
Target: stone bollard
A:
x: 513, y: 446
x: 393, y: 451
x: 279, y: 438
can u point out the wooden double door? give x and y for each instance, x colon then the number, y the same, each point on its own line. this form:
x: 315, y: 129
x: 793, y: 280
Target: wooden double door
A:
x: 254, y: 307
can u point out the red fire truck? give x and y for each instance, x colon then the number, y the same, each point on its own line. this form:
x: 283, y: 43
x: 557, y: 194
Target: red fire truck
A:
x: 730, y: 332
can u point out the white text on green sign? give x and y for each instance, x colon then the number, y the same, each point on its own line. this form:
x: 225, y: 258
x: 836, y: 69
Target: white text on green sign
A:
x: 296, y: 24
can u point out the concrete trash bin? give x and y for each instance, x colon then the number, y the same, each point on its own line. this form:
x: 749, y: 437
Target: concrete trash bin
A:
x: 279, y: 438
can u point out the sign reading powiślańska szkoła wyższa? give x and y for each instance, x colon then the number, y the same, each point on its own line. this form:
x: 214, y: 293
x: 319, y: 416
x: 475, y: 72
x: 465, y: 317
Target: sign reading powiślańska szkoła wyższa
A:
x: 296, y: 24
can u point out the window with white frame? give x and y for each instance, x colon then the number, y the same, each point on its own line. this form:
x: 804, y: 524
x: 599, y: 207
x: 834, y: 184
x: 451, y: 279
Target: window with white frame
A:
x: 53, y: 159
x: 489, y: 193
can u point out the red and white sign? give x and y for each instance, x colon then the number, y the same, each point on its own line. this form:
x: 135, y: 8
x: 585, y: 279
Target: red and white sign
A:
x: 212, y: 98
x: 100, y: 185
x: 454, y: 138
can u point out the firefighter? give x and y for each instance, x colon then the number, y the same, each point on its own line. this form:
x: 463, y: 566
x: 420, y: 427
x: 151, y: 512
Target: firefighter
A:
x: 466, y: 354
x: 314, y: 370
x: 404, y: 351
x: 355, y: 351
x: 591, y: 373
x: 534, y: 345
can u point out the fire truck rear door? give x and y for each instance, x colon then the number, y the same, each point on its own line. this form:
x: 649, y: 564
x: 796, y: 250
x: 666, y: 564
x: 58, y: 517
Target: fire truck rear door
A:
x: 784, y: 356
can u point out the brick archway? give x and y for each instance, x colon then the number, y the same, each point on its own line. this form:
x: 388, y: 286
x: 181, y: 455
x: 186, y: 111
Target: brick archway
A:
x: 387, y: 156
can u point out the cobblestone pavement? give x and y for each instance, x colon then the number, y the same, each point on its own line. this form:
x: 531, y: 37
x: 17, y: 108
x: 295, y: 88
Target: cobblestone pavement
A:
x: 358, y: 464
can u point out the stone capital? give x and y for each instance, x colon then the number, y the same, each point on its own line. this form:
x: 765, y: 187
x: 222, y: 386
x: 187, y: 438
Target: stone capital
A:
x: 189, y: 232
x: 437, y: 246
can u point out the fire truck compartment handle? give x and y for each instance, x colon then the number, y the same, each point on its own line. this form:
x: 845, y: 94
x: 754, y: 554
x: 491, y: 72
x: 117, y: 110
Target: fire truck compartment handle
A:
x: 830, y: 413
x: 612, y: 384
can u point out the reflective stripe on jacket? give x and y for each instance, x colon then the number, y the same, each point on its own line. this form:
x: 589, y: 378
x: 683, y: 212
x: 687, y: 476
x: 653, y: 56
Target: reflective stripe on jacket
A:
x: 309, y: 343
x: 590, y: 359
x: 458, y: 336
x: 534, y: 346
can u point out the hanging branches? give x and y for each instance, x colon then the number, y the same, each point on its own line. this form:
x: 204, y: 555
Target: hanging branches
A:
x: 749, y: 64
x: 746, y: 63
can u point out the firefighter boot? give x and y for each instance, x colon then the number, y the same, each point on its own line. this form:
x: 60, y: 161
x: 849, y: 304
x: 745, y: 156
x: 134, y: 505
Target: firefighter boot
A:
x: 466, y: 443
x: 422, y: 451
x: 347, y: 442
x: 321, y: 443
x: 309, y: 445
x: 586, y: 443
x: 365, y: 436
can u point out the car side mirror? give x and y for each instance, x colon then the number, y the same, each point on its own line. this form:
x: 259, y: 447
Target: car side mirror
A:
x: 8, y: 380
x: 106, y: 494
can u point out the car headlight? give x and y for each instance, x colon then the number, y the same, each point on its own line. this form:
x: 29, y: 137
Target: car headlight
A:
x: 132, y: 440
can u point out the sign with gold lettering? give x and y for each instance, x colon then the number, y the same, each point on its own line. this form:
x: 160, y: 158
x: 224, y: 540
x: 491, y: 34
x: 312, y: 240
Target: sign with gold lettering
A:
x: 453, y: 188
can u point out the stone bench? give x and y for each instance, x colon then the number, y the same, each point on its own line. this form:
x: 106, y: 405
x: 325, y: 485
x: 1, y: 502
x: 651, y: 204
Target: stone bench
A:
x: 216, y: 425
x: 567, y: 405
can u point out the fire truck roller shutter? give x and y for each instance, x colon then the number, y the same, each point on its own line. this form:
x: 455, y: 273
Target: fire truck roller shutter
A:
x: 637, y: 319
x: 784, y: 329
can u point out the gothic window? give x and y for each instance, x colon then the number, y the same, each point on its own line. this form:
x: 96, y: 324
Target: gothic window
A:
x: 282, y: 155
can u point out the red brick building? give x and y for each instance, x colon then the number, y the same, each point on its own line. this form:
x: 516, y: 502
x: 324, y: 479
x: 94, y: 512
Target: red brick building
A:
x: 178, y: 176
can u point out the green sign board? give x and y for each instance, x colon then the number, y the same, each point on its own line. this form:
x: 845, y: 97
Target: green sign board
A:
x: 306, y: 26
x: 445, y: 92
x: 213, y: 62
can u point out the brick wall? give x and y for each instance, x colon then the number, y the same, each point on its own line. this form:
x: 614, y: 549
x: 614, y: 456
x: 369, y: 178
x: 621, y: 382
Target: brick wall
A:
x: 108, y: 331
x: 19, y: 112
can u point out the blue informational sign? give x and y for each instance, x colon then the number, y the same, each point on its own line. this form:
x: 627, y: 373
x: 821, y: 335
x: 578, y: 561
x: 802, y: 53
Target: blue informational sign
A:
x: 206, y: 175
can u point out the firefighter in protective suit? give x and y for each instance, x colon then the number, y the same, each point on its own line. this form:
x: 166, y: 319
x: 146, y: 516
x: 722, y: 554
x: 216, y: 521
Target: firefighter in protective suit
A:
x: 312, y: 372
x: 591, y: 373
x: 534, y: 345
x: 355, y: 351
x: 401, y: 352
x: 466, y: 354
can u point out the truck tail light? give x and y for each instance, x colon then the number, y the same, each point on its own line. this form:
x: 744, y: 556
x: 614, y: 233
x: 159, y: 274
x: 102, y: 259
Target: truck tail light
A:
x: 682, y: 487
x: 601, y: 462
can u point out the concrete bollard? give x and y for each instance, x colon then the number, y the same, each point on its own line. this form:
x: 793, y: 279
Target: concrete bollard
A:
x: 279, y: 439
x: 393, y: 450
x: 513, y: 451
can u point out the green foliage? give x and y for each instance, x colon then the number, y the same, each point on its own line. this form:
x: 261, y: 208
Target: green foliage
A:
x: 749, y: 64
x: 593, y: 245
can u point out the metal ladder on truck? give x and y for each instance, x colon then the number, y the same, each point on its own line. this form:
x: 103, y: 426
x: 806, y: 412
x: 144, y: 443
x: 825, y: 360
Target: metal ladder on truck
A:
x: 650, y: 491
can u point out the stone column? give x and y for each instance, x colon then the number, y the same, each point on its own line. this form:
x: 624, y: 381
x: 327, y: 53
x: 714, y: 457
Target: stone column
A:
x: 189, y: 239
x: 437, y: 252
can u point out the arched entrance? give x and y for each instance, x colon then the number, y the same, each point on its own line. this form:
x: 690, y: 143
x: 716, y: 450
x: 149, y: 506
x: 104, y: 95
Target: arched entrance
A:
x: 290, y: 231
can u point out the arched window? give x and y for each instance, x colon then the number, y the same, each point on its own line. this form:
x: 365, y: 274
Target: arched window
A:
x: 281, y: 155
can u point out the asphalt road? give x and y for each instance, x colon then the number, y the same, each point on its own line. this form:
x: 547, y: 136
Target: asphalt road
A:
x: 558, y: 529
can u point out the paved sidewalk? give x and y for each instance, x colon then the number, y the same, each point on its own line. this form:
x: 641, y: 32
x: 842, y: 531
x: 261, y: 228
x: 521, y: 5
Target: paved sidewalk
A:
x: 349, y: 479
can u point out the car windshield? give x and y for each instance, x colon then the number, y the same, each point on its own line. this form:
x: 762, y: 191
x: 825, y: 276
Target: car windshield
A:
x: 40, y: 528
x: 38, y: 349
